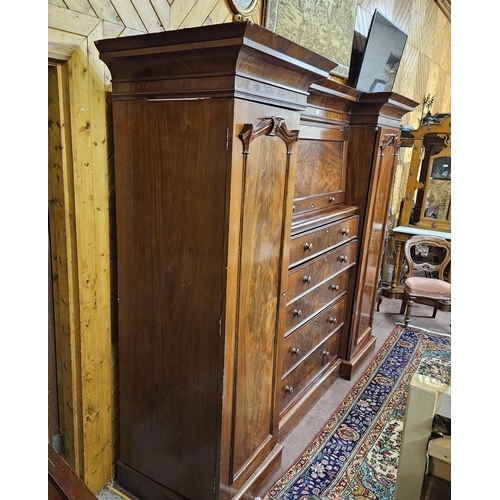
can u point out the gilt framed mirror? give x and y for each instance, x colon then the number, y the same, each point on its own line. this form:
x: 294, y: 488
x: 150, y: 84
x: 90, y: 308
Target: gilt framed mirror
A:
x: 427, y: 202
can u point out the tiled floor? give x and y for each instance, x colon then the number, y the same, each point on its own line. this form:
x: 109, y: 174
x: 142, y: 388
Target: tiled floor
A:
x: 301, y: 436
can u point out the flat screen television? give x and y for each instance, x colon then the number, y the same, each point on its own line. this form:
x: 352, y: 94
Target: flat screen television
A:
x: 382, y: 55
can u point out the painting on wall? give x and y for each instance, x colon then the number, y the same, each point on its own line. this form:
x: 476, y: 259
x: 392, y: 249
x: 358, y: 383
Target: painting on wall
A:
x: 323, y: 26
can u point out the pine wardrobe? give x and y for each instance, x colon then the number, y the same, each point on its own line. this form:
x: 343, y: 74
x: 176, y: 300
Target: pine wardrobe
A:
x: 251, y: 198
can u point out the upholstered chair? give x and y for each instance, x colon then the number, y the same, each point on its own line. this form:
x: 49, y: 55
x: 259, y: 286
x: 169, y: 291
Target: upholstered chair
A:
x: 429, y: 272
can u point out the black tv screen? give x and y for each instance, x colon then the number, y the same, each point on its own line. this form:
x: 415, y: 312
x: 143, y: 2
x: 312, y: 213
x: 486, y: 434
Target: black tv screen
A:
x: 382, y: 55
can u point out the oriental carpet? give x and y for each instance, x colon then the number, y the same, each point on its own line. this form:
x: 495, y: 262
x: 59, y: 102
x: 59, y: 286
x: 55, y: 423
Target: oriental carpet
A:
x: 355, y: 455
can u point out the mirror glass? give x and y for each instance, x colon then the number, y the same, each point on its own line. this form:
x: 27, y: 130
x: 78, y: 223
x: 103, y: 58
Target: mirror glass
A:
x: 438, y: 200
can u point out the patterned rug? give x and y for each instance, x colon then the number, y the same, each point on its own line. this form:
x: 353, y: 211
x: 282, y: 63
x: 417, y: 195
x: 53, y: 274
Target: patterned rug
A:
x: 355, y: 456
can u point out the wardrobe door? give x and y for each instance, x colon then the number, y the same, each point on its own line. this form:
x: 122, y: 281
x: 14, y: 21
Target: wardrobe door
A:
x: 266, y: 146
x: 170, y: 197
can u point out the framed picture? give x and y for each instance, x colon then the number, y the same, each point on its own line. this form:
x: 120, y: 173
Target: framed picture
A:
x: 323, y: 26
x: 243, y: 7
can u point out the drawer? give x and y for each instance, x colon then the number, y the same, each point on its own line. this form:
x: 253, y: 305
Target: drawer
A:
x: 307, y: 337
x: 307, y: 245
x: 311, y: 367
x: 301, y: 309
x: 314, y: 272
x: 317, y: 202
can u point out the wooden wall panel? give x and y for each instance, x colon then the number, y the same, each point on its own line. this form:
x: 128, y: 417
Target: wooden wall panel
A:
x: 73, y: 25
x: 90, y: 155
x: 64, y: 263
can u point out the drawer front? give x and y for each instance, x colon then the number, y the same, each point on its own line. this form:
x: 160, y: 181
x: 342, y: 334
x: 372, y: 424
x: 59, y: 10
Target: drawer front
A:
x: 293, y: 384
x: 318, y: 202
x: 312, y: 273
x: 300, y: 343
x: 317, y: 241
x: 301, y: 309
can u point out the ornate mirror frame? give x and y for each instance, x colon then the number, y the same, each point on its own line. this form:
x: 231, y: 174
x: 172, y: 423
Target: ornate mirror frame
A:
x: 431, y: 142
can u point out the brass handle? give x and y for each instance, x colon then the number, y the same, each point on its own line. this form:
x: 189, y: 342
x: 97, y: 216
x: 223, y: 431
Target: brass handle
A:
x: 345, y: 231
x: 343, y: 258
x: 288, y: 389
x: 295, y: 351
x: 334, y: 288
x: 307, y: 279
x: 308, y: 246
x: 325, y: 354
x: 297, y: 312
x: 332, y: 320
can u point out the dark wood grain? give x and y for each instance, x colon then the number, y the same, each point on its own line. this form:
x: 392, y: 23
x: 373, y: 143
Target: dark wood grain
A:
x: 207, y: 165
x: 373, y: 149
x: 170, y: 260
x: 309, y: 368
x: 265, y: 184
x: 309, y: 244
x: 64, y: 483
x: 322, y: 253
x: 313, y: 272
x: 227, y: 60
x: 319, y: 168
x: 301, y: 341
x: 205, y: 128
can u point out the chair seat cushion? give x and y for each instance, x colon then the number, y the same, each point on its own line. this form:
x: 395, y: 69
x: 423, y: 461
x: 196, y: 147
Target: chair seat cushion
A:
x: 428, y: 287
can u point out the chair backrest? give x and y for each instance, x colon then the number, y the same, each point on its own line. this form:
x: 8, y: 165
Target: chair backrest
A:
x: 428, y: 254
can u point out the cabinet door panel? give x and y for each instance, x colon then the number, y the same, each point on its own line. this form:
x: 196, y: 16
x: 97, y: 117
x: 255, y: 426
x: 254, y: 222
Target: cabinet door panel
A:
x: 265, y: 189
x: 167, y: 199
x: 320, y: 170
x: 374, y: 236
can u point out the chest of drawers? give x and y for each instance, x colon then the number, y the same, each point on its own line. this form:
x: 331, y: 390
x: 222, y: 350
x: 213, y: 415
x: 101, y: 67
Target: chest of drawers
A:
x: 322, y: 257
x: 321, y: 265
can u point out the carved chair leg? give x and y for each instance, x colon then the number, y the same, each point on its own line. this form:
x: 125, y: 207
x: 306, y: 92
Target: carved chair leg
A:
x: 409, y: 306
x: 403, y: 303
x: 436, y: 305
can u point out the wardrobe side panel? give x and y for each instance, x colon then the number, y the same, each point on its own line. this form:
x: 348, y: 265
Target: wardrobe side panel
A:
x: 170, y: 203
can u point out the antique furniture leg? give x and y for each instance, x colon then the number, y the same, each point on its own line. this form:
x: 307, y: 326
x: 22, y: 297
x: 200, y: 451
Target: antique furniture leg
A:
x: 397, y: 265
x: 409, y: 305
